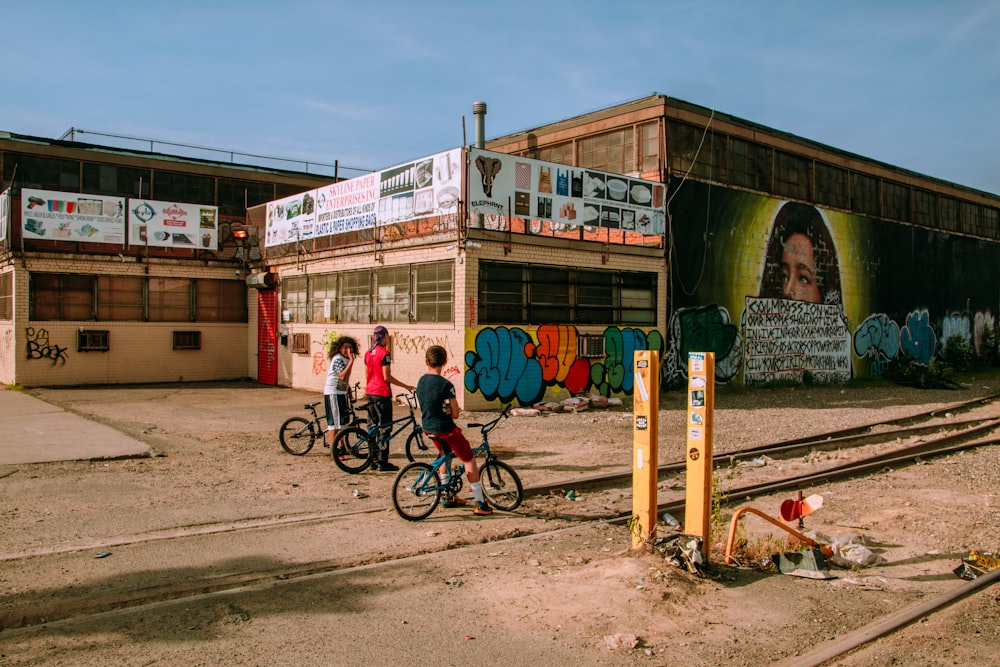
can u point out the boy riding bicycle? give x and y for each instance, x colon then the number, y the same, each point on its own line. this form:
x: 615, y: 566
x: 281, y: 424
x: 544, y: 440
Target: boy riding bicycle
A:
x: 439, y: 408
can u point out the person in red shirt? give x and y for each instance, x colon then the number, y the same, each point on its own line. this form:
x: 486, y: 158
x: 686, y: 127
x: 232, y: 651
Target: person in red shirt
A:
x: 378, y: 391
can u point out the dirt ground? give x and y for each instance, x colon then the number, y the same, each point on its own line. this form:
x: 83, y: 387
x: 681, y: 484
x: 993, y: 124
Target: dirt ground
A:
x: 565, y: 592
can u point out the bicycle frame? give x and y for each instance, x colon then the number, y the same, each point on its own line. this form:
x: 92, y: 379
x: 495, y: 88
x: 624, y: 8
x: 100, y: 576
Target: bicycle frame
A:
x: 376, y: 429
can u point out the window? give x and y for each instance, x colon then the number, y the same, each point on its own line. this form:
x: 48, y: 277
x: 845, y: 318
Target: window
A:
x: 792, y: 175
x: 749, y: 165
x: 864, y: 195
x: 300, y: 343
x: 120, y: 298
x: 990, y: 227
x: 831, y: 186
x: 293, y: 300
x: 187, y: 340
x: 323, y: 298
x: 638, y: 298
x: 169, y: 300
x: 560, y: 153
x: 61, y: 296
x: 611, y: 151
x: 684, y: 144
x: 43, y: 173
x: 236, y: 196
x: 433, y: 292
x: 220, y: 301
x: 649, y: 147
x: 924, y: 206
x: 947, y: 213
x: 355, y: 302
x: 191, y: 188
x: 595, y: 297
x: 969, y: 216
x: 501, y: 293
x: 549, y: 295
x: 531, y: 294
x: 6, y: 296
x: 393, y: 289
x: 92, y: 341
x: 114, y: 181
x: 897, y: 201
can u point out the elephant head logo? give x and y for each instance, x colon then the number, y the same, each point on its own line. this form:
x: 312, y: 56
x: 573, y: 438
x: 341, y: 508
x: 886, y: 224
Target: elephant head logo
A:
x: 489, y: 167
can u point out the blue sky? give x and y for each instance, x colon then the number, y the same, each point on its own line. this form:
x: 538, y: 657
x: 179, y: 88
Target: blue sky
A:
x: 914, y: 83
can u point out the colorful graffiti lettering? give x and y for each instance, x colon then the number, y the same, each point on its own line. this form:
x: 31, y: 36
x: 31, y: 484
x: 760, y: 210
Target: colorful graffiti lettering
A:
x: 39, y: 346
x: 917, y: 339
x: 508, y: 364
x: 877, y: 337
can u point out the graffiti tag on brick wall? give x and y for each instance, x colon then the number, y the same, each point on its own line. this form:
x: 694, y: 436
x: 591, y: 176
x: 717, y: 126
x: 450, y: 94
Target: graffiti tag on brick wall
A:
x: 39, y: 346
x: 877, y: 339
x: 703, y: 329
x: 917, y: 339
x: 785, y: 339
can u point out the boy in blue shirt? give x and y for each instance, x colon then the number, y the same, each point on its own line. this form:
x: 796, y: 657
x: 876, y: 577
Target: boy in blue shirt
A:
x: 439, y: 408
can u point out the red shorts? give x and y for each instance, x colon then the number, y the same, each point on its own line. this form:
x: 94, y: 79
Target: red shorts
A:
x: 456, y: 441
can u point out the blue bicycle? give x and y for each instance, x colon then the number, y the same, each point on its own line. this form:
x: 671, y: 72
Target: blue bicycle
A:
x: 355, y: 449
x: 418, y: 487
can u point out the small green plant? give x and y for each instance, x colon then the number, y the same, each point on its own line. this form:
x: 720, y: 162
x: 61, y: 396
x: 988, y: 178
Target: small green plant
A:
x: 958, y: 353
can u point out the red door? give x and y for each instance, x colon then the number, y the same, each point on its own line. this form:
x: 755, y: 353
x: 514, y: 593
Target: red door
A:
x: 267, y: 336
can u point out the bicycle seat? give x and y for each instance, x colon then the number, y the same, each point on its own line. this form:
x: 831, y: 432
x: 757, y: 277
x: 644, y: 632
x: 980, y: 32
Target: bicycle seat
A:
x: 442, y: 446
x: 310, y: 406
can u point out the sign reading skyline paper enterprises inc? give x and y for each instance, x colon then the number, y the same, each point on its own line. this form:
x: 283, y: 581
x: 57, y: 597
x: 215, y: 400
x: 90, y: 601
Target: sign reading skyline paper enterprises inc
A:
x: 419, y: 189
x: 512, y: 186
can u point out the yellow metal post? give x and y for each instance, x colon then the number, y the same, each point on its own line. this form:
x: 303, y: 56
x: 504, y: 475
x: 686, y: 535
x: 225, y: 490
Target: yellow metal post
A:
x: 701, y: 408
x: 645, y: 459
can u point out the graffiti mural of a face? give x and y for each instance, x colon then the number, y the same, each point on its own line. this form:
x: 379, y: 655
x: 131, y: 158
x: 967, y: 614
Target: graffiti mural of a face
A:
x: 798, y: 270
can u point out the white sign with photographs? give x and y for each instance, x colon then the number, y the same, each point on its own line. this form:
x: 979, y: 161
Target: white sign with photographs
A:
x: 512, y: 186
x: 4, y: 213
x: 172, y: 225
x: 66, y: 216
x: 420, y: 189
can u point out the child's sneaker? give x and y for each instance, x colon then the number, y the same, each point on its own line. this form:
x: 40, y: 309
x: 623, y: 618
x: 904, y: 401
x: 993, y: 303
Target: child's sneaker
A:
x: 454, y: 501
x: 482, y: 509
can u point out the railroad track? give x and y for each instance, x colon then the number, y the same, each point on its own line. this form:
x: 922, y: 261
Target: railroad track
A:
x: 958, y: 435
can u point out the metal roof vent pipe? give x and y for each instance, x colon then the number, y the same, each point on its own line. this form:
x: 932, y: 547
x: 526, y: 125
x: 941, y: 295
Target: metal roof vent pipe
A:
x: 479, y: 111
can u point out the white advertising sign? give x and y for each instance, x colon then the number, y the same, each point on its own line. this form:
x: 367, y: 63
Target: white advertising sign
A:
x: 291, y: 219
x: 65, y: 216
x: 4, y: 213
x: 513, y: 186
x: 172, y: 225
x: 423, y: 188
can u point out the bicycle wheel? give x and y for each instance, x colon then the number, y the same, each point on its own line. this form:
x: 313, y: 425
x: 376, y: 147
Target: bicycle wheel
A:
x: 354, y: 450
x: 501, y: 485
x: 416, y: 491
x: 297, y: 435
x: 420, y: 448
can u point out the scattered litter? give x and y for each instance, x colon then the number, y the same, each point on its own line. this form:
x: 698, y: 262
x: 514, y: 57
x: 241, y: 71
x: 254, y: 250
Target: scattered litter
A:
x: 571, y: 495
x: 467, y: 637
x: 525, y: 412
x: 849, y: 551
x: 431, y: 533
x: 807, y: 563
x: 621, y: 641
x: 360, y: 494
x: 670, y: 520
x: 758, y: 462
x: 684, y: 551
x: 454, y: 582
x: 102, y: 554
x: 976, y: 565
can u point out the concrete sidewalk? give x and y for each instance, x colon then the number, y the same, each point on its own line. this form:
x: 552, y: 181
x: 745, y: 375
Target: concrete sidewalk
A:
x: 33, y: 431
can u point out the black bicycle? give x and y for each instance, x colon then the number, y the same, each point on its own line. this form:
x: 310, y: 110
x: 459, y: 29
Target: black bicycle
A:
x: 355, y: 448
x: 418, y: 487
x: 298, y: 434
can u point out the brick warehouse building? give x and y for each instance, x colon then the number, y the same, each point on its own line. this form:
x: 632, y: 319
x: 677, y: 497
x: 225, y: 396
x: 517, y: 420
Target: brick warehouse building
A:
x: 543, y: 295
